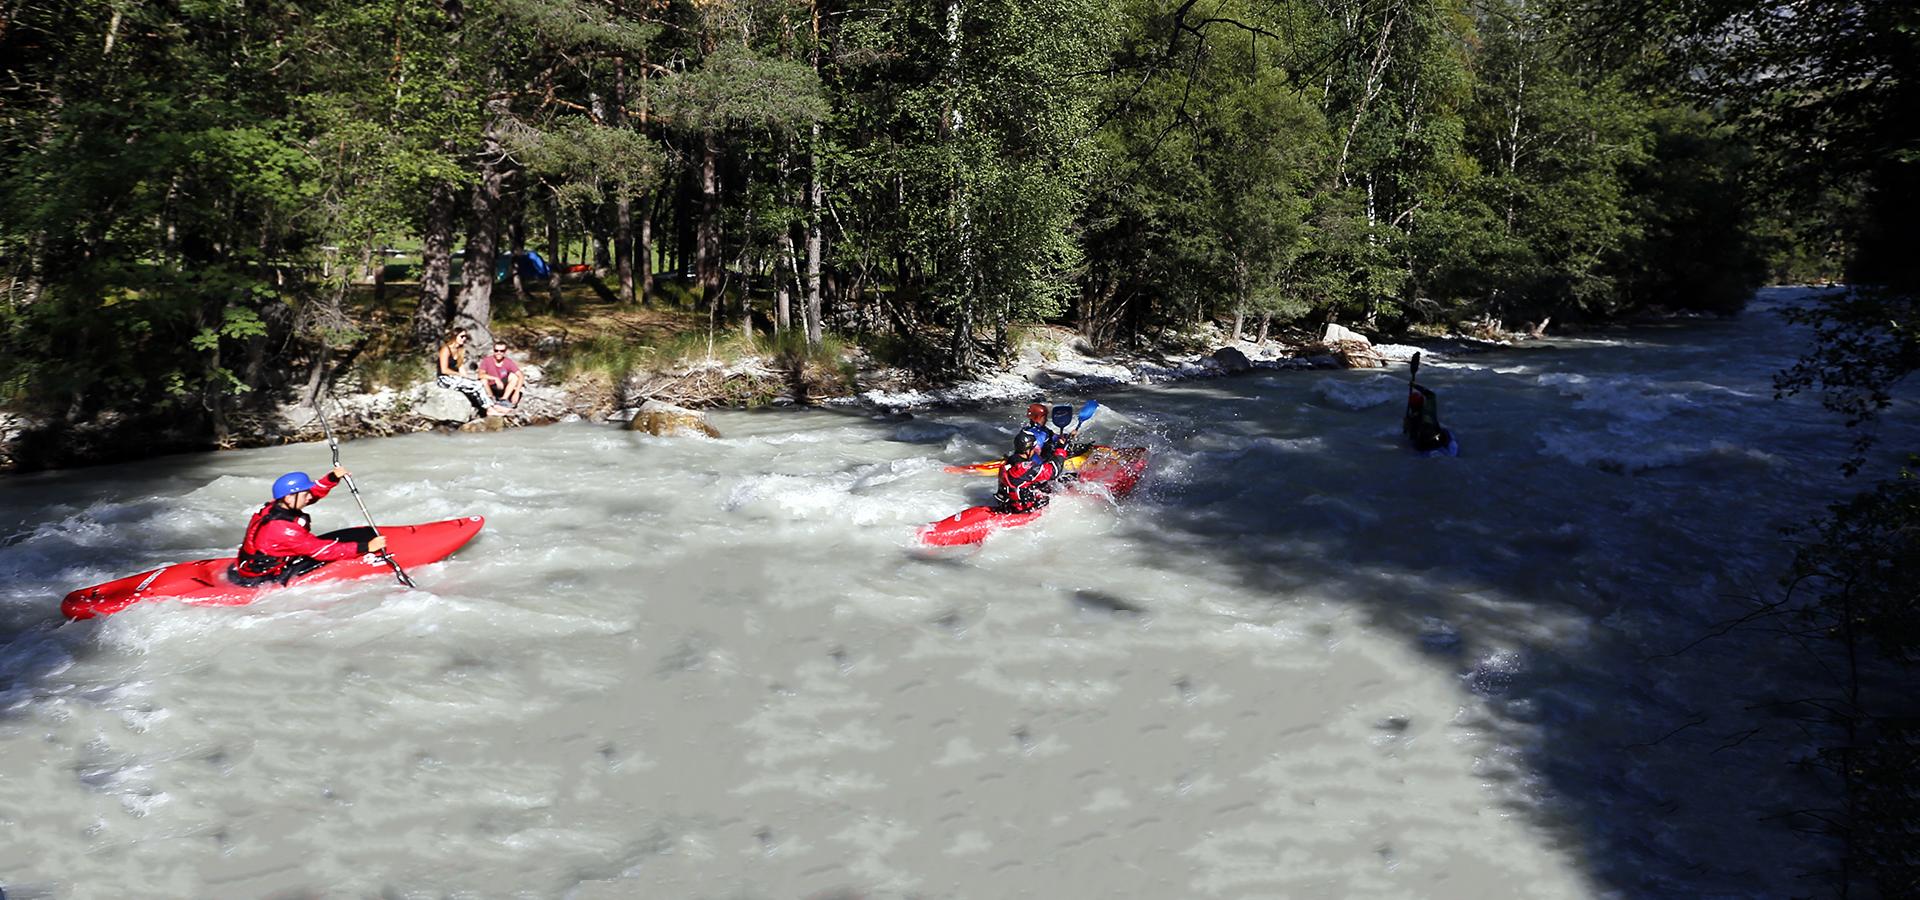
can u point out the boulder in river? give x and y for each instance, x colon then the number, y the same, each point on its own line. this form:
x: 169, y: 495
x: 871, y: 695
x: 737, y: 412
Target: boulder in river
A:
x: 1352, y: 347
x: 486, y: 423
x: 1337, y: 334
x: 666, y: 420
x: 1232, y: 360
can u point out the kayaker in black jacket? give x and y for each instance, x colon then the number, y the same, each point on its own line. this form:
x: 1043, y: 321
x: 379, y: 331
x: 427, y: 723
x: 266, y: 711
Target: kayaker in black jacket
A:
x: 1027, y: 471
x: 1421, y: 424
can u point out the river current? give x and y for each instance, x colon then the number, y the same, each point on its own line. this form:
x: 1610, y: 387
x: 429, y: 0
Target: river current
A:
x: 1299, y: 662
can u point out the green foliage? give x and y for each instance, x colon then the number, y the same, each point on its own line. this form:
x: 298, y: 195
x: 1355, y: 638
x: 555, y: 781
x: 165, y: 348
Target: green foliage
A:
x: 738, y: 88
x: 1863, y: 562
x: 222, y: 178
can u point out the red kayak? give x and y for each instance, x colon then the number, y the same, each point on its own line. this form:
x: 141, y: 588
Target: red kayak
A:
x: 204, y: 583
x: 1114, y: 471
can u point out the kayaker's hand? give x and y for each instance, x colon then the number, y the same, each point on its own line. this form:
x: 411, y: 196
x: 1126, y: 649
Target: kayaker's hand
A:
x: 378, y: 544
x: 339, y: 473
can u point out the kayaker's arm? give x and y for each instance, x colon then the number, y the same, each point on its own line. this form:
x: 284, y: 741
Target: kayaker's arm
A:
x: 327, y: 483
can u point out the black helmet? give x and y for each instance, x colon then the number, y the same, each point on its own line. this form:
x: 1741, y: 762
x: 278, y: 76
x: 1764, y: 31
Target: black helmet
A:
x: 1024, y: 442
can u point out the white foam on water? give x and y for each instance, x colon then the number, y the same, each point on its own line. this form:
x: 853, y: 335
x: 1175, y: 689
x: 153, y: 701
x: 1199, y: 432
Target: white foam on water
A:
x: 1346, y: 393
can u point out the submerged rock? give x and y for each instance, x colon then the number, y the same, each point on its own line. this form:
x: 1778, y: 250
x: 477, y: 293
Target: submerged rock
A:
x: 665, y: 420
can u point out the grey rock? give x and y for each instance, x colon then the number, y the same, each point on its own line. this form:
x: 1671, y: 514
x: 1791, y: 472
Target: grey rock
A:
x: 544, y: 403
x: 1337, y: 334
x: 437, y: 404
x: 1232, y: 360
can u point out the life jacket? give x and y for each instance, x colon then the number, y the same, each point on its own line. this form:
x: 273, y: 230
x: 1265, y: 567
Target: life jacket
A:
x: 253, y: 563
x: 1020, y: 482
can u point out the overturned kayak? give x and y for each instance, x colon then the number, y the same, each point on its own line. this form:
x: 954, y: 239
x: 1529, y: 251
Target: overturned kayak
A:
x: 1115, y: 472
x: 205, y: 582
x: 992, y: 467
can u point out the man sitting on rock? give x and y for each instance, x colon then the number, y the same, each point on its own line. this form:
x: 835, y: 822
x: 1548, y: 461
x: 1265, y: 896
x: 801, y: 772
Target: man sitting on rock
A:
x: 502, y: 377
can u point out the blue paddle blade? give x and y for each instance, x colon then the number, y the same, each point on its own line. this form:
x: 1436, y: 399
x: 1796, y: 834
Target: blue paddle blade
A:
x: 1087, y: 410
x: 1062, y: 416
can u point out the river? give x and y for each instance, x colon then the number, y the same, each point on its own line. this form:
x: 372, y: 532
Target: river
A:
x: 1299, y: 662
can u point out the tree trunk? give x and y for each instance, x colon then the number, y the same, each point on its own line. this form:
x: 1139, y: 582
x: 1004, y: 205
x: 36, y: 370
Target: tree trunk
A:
x: 814, y: 193
x: 709, y: 261
x: 379, y: 279
x: 783, y: 284
x: 623, y: 204
x: 517, y: 237
x: 556, y: 256
x: 623, y: 246
x: 474, y: 309
x: 643, y: 250
x: 812, y: 312
x: 685, y: 246
x: 748, y: 267
x: 1265, y: 320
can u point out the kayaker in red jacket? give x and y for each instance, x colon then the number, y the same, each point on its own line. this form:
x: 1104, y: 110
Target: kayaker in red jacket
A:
x: 279, y: 543
x: 1027, y: 471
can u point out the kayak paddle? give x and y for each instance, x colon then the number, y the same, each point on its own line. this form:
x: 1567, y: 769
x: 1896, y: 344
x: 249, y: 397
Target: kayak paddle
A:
x: 335, y: 445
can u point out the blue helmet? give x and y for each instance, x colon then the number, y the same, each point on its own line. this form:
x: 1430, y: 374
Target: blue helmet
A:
x: 291, y: 483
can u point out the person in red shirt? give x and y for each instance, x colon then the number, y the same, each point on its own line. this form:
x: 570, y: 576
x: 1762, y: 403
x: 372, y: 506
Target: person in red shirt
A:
x: 279, y: 544
x: 502, y: 377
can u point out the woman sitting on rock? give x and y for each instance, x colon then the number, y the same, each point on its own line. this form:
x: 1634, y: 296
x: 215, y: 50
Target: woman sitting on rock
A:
x: 451, y: 369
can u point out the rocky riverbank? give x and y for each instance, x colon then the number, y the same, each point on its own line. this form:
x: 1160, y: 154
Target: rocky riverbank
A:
x: 1052, y: 361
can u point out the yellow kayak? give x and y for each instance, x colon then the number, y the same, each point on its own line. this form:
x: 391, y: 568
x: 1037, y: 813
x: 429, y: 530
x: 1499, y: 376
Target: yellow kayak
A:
x: 1074, y: 463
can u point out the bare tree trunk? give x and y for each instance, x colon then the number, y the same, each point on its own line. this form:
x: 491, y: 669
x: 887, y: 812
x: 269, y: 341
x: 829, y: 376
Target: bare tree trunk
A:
x: 812, y: 312
x: 1371, y: 87
x: 783, y: 284
x: 748, y: 267
x: 1265, y: 320
x: 709, y: 262
x: 643, y: 251
x: 556, y: 256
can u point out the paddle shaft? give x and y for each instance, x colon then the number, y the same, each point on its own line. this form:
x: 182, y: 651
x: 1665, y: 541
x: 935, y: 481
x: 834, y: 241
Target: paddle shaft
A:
x: 335, y: 446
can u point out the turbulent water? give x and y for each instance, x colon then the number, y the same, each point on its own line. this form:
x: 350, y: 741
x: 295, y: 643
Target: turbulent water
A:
x: 1299, y: 662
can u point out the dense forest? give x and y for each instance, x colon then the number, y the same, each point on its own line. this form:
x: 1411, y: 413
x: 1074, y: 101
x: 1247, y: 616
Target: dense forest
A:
x: 189, y: 190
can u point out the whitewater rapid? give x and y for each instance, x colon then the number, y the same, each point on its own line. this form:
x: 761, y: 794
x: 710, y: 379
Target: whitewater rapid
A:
x: 1299, y: 662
